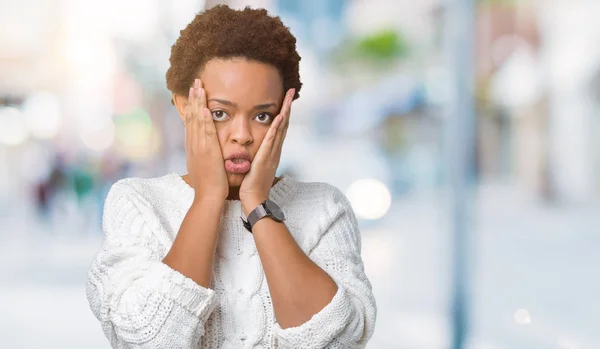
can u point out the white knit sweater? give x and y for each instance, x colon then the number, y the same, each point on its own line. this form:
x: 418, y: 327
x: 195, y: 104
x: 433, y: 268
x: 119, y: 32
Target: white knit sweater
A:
x: 143, y: 303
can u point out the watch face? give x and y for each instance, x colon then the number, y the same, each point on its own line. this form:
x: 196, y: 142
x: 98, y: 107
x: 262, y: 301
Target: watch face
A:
x: 274, y: 210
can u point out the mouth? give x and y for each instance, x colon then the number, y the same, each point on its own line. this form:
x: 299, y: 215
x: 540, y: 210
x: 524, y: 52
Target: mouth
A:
x: 239, y: 156
x: 238, y: 163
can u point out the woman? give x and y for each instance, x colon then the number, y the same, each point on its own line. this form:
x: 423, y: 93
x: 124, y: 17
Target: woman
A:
x: 229, y: 256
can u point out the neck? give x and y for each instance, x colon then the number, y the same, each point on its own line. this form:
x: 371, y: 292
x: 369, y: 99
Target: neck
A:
x: 234, y: 193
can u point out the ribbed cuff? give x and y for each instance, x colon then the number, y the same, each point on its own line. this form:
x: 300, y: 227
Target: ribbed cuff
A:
x: 321, y: 328
x: 198, y: 300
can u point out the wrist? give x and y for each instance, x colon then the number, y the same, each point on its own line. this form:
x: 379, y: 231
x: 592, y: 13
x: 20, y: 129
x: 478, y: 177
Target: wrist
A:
x: 210, y: 201
x: 249, y: 204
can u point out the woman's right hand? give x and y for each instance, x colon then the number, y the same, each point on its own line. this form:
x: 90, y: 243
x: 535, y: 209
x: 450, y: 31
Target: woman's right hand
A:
x: 204, y: 158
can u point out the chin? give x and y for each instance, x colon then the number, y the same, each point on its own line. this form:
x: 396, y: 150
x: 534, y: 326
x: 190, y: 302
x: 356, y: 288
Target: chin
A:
x: 235, y: 179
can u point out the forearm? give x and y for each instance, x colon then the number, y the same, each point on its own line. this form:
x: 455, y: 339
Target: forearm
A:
x: 299, y: 288
x: 130, y: 297
x: 194, y: 247
x: 322, y: 299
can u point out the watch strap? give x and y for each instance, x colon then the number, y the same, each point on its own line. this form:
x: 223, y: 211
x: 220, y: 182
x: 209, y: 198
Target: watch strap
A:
x: 259, y: 212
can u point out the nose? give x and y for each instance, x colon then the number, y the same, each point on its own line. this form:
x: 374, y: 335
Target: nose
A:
x: 240, y: 131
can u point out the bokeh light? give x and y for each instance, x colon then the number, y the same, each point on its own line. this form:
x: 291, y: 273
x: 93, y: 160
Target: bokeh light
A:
x: 100, y: 138
x: 43, y: 115
x: 134, y: 134
x: 522, y: 317
x: 370, y: 198
x: 13, y: 130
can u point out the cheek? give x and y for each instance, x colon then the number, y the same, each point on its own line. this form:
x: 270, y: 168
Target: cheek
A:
x: 259, y: 134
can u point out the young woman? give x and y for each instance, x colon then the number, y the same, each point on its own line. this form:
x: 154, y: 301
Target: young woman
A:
x: 228, y: 255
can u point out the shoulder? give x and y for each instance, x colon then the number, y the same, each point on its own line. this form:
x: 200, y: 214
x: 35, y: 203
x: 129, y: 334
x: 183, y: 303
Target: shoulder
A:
x: 143, y: 191
x: 149, y: 197
x: 315, y: 208
x: 134, y: 202
x: 325, y: 197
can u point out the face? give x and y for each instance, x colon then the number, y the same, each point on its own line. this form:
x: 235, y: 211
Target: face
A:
x: 244, y: 97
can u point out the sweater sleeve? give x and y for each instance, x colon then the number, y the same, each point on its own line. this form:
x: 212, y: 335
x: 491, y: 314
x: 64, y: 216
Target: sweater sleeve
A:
x: 140, y: 301
x: 348, y: 321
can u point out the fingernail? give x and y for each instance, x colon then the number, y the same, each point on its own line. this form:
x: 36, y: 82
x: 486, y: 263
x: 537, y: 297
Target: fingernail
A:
x: 196, y: 83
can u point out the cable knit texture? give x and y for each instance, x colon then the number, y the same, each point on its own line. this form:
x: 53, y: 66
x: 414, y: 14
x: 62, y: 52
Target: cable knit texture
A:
x: 143, y: 303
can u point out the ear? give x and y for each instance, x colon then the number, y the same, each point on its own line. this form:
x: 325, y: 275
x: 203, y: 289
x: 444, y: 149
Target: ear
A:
x: 181, y: 103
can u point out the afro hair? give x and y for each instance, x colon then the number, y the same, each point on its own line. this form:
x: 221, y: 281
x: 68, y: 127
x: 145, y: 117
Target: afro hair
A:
x: 222, y: 32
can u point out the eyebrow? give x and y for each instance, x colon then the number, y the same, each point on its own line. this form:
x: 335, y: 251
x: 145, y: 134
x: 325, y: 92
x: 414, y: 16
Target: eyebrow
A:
x: 230, y: 103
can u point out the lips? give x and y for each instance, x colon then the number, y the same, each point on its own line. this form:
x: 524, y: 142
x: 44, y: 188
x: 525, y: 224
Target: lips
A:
x: 239, y: 155
x: 238, y: 162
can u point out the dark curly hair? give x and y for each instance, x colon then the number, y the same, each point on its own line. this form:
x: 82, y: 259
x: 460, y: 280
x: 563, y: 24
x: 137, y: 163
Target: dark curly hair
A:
x: 221, y: 32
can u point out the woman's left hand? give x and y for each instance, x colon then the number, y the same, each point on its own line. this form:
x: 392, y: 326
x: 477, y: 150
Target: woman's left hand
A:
x: 258, y: 181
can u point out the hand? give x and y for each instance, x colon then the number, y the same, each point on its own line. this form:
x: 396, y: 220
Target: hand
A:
x: 258, y: 181
x: 204, y: 158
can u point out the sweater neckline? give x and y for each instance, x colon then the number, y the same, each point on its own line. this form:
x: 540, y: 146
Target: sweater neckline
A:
x: 280, y: 193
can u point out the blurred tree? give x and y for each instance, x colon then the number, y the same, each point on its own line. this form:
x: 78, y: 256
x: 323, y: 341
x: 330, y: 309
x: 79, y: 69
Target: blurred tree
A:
x: 382, y: 46
x: 378, y: 50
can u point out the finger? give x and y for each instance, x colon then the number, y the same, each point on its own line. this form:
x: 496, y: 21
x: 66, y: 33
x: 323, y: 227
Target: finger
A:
x: 209, y: 125
x: 186, y: 112
x: 285, y: 121
x: 201, y: 95
x: 288, y: 112
x: 190, y: 123
x: 188, y: 106
x: 196, y: 124
x: 199, y: 99
x: 194, y: 103
x: 269, y: 140
x: 285, y: 107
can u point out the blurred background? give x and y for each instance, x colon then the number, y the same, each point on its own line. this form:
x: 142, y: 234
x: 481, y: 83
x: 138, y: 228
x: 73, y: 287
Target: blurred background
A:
x: 83, y: 103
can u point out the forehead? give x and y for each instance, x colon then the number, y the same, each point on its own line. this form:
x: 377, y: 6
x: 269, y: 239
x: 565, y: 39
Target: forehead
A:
x: 242, y: 81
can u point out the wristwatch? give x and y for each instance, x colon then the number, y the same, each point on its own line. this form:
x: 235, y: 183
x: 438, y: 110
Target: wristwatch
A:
x: 266, y: 209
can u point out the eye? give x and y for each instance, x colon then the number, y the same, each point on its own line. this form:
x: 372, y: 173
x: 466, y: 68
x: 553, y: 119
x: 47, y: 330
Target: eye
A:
x: 219, y: 115
x: 265, y: 118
